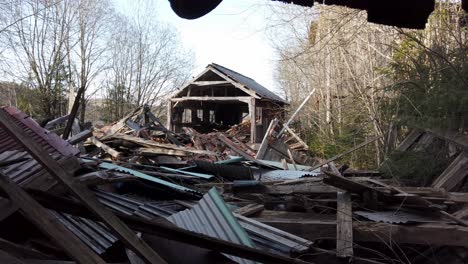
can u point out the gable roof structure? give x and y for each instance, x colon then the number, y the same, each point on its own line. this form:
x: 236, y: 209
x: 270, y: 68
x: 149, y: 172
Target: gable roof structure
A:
x: 248, y: 83
x: 242, y: 82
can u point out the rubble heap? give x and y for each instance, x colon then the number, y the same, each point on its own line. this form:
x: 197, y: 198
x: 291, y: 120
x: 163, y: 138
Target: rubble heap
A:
x: 134, y: 192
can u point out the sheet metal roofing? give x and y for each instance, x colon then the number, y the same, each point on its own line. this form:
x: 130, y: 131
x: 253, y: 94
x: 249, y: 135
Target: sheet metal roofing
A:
x: 212, y: 217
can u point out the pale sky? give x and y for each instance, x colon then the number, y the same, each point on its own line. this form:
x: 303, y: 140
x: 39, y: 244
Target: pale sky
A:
x: 232, y: 35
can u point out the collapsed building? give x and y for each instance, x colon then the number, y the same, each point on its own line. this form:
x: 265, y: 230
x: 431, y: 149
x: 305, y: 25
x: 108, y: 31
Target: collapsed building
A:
x: 219, y: 98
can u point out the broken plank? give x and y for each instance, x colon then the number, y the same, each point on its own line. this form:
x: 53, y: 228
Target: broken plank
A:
x: 114, y: 153
x: 80, y: 191
x: 423, y: 234
x: 153, y: 151
x: 57, y: 121
x: 295, y: 136
x: 48, y: 224
x: 153, y: 144
x: 295, y: 113
x: 344, y: 225
x: 246, y: 156
x: 453, y: 174
x: 409, y: 140
x: 264, y: 145
x: 347, y: 184
x: 249, y: 209
x: 80, y: 137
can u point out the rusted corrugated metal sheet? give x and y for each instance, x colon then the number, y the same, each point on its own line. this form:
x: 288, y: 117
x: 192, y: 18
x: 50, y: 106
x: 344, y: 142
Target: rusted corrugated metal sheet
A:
x: 29, y: 173
x: 212, y: 217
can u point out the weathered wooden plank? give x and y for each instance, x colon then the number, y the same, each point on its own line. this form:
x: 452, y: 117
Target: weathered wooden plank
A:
x: 81, y: 192
x: 296, y: 112
x: 151, y: 144
x: 47, y: 223
x: 266, y: 139
x: 292, y: 159
x: 210, y: 83
x: 422, y: 234
x: 253, y: 121
x: 409, y: 140
x: 154, y: 151
x: 295, y: 136
x: 249, y: 209
x: 57, y: 121
x: 244, y: 99
x: 82, y: 136
x: 21, y: 251
x: 453, y: 174
x: 246, y: 156
x: 114, y: 153
x: 343, y: 183
x: 344, y: 225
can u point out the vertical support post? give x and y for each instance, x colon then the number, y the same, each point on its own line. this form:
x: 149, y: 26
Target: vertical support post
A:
x: 206, y: 115
x: 253, y: 126
x: 169, y: 116
x: 193, y: 112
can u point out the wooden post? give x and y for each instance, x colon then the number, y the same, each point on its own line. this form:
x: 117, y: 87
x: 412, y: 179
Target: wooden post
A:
x: 253, y: 125
x: 169, y: 116
x: 344, y: 225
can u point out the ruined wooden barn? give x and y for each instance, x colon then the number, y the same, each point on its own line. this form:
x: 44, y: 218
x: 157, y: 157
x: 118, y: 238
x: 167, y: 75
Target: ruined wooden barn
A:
x: 219, y: 98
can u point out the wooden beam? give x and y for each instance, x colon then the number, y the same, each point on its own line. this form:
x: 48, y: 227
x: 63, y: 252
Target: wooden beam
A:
x: 82, y: 136
x: 80, y: 191
x: 249, y: 209
x: 346, y: 184
x: 344, y: 225
x: 409, y: 140
x: 422, y: 234
x: 306, y: 147
x: 48, y: 224
x: 453, y: 174
x: 235, y: 83
x: 253, y: 121
x: 210, y: 83
x: 245, y: 99
x: 246, y: 156
x: 169, y: 116
x: 303, y: 188
x: 57, y: 121
x: 266, y: 138
x: 295, y: 113
x: 114, y: 153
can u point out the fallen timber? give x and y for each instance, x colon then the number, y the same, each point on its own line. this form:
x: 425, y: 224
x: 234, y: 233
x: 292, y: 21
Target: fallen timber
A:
x: 111, y: 204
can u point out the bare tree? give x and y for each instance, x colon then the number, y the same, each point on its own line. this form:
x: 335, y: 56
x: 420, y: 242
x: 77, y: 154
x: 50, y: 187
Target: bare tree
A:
x: 147, y: 61
x: 87, y: 56
x: 36, y: 37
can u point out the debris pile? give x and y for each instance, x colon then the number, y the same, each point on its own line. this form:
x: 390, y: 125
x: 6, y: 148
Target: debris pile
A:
x: 134, y: 192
